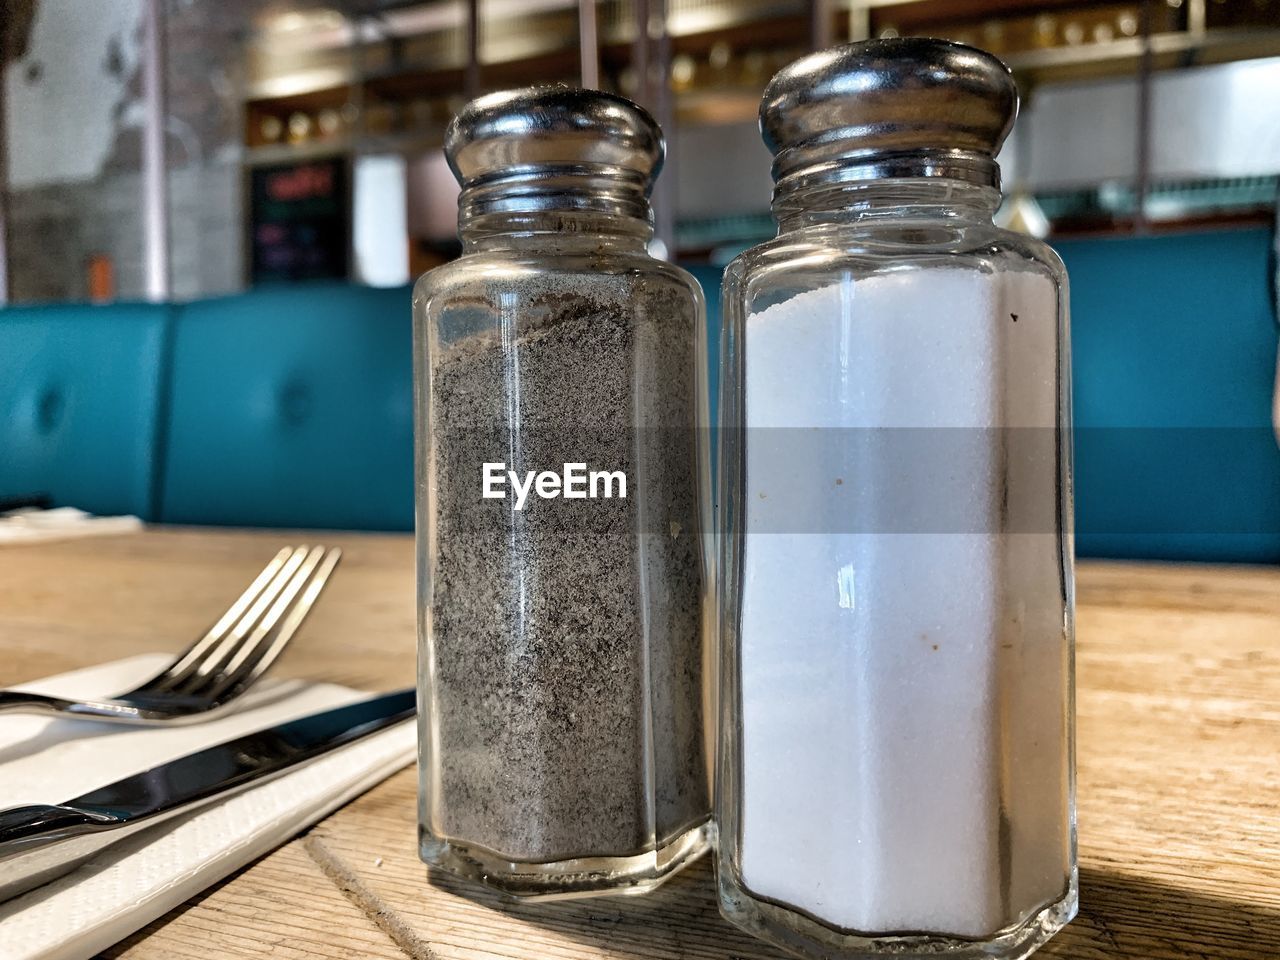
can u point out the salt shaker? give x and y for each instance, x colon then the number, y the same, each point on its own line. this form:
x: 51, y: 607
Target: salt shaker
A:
x: 896, y: 576
x: 558, y: 365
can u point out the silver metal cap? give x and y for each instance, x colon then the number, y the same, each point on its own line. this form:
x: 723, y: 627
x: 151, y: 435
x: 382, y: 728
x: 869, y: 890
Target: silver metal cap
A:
x: 553, y: 147
x: 905, y: 107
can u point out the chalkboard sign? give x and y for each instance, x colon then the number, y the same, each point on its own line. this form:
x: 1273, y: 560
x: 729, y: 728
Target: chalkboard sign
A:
x: 300, y: 221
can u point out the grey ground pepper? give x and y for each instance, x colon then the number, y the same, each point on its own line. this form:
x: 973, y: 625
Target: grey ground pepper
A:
x: 566, y: 634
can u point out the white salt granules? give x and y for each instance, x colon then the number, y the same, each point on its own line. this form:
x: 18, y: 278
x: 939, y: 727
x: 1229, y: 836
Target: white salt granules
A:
x: 903, y: 693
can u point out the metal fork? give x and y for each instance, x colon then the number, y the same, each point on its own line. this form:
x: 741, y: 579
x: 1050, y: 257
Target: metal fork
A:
x: 207, y: 677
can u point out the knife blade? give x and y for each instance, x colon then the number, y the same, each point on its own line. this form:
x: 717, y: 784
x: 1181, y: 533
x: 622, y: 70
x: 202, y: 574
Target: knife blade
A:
x: 43, y: 841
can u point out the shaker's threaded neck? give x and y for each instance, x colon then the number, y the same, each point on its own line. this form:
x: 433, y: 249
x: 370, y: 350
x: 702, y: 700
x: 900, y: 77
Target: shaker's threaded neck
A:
x: 570, y: 188
x: 966, y: 166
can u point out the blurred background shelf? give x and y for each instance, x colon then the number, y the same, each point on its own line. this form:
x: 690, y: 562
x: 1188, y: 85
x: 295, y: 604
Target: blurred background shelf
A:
x: 722, y: 52
x: 1121, y: 101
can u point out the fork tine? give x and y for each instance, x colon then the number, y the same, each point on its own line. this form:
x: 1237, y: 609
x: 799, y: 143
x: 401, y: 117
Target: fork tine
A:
x: 183, y: 663
x: 197, y: 670
x: 258, y: 653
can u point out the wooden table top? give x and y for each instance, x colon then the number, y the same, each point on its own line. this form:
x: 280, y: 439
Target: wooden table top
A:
x: 1178, y: 747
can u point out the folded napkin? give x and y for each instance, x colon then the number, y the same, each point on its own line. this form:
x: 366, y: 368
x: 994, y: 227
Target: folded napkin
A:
x: 45, y: 760
x: 61, y: 523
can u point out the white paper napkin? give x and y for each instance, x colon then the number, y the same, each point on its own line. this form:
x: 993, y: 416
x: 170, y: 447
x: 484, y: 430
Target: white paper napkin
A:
x: 144, y: 876
x: 60, y: 523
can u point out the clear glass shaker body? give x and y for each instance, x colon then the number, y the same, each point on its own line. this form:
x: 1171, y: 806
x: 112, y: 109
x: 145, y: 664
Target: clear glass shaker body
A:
x: 562, y: 747
x: 896, y: 580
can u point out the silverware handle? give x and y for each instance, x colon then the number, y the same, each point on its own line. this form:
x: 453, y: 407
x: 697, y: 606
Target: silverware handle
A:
x: 28, y: 823
x: 16, y: 701
x: 41, y: 842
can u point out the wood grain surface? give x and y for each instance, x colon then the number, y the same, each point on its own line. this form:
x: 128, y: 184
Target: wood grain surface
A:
x: 1179, y: 766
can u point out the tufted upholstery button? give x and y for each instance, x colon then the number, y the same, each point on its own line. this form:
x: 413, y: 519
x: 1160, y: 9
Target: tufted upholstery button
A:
x: 49, y: 407
x: 295, y: 402
x: 308, y: 396
x: 79, y: 403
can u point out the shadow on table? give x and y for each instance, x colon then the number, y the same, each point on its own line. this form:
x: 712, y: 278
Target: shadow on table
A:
x: 1121, y: 916
x: 1127, y: 916
x: 679, y: 919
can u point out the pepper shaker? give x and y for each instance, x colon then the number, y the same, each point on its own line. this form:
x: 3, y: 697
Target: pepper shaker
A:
x: 896, y: 584
x: 558, y: 375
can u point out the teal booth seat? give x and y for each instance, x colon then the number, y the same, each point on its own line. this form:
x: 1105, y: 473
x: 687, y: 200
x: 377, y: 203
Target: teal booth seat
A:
x: 80, y: 391
x: 710, y: 277
x: 292, y: 407
x: 1174, y: 354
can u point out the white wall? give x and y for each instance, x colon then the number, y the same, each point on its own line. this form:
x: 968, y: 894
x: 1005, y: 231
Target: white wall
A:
x: 62, y: 125
x: 1215, y: 121
x: 380, y: 228
x: 433, y: 197
x: 720, y: 170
